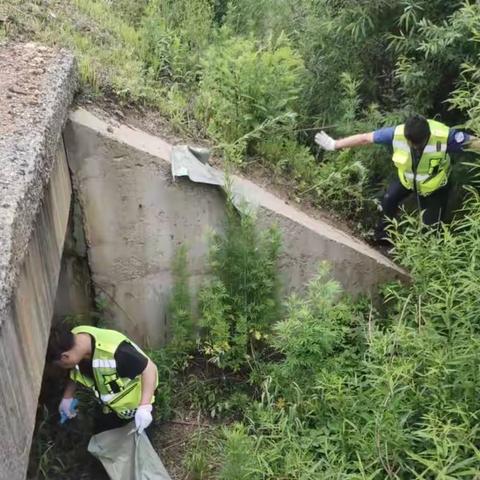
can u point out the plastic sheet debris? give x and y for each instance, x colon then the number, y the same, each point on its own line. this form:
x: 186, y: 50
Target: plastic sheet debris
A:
x: 192, y: 162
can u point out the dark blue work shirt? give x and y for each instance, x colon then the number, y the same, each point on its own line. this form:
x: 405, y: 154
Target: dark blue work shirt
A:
x: 455, y: 143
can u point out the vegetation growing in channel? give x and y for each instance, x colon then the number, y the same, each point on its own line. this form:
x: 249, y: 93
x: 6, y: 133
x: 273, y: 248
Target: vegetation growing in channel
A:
x: 241, y: 303
x: 339, y: 389
x: 182, y: 327
x: 354, y: 393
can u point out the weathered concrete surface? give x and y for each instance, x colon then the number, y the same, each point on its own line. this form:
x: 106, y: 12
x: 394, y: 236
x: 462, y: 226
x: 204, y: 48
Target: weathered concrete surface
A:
x: 74, y: 293
x: 37, y: 87
x: 307, y: 242
x: 26, y: 324
x: 135, y: 217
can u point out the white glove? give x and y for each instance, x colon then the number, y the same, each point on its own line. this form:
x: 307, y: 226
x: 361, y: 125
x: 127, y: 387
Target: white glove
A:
x: 143, y: 417
x: 65, y: 408
x: 325, y: 141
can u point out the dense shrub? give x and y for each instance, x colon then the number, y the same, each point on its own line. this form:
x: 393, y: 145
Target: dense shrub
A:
x: 434, y: 41
x: 256, y: 77
x: 174, y: 34
x: 248, y: 90
x: 369, y: 396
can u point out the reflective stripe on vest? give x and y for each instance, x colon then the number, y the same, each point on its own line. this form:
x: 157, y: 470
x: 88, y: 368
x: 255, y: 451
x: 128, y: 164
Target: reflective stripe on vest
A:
x: 434, y: 165
x: 122, y: 395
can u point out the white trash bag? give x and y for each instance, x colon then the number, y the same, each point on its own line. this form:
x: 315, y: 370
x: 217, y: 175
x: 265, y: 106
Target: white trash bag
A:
x: 126, y: 455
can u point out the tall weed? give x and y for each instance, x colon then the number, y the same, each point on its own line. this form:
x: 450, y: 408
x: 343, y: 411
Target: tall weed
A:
x: 241, y: 302
x: 182, y: 342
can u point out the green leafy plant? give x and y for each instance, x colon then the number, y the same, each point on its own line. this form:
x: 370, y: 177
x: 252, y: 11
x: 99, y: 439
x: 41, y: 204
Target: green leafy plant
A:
x: 369, y: 395
x: 241, y: 303
x: 182, y: 342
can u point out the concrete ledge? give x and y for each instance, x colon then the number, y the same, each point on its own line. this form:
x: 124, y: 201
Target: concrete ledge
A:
x: 307, y: 242
x: 26, y: 325
x: 37, y: 86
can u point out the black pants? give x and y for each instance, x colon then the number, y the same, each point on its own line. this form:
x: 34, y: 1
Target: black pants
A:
x: 108, y: 421
x: 433, y: 206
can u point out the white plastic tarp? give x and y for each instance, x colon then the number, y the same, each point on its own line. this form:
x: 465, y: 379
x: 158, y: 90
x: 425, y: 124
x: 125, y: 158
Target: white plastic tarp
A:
x: 192, y: 163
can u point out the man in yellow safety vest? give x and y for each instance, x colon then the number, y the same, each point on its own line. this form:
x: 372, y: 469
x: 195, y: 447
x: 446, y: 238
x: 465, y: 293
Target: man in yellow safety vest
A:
x: 421, y: 151
x: 120, y: 375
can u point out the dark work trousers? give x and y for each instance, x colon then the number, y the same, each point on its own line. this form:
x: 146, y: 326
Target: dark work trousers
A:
x: 433, y: 206
x: 108, y: 421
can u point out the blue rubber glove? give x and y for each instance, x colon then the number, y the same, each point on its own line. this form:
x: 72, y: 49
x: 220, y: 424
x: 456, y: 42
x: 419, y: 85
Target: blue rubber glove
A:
x: 67, y: 409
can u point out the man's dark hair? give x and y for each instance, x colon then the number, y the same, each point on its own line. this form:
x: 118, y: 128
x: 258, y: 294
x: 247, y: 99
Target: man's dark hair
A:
x: 417, y: 130
x: 61, y: 340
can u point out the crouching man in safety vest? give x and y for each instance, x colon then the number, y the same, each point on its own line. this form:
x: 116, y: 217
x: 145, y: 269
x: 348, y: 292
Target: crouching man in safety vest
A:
x: 421, y: 151
x: 120, y: 375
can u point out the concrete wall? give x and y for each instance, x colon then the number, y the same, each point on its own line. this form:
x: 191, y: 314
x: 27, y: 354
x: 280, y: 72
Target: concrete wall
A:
x: 307, y: 242
x: 134, y: 219
x: 135, y: 216
x: 37, y: 88
x: 26, y: 324
x: 74, y: 294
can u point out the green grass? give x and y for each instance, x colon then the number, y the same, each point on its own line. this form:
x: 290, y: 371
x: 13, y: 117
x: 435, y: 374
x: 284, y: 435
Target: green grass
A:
x: 109, y: 51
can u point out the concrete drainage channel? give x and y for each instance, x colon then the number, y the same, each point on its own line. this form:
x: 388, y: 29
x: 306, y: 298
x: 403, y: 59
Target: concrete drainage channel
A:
x: 119, y: 234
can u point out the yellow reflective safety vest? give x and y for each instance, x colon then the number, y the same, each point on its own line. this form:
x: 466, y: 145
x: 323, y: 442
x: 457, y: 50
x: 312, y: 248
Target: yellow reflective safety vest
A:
x: 120, y: 395
x: 433, y: 167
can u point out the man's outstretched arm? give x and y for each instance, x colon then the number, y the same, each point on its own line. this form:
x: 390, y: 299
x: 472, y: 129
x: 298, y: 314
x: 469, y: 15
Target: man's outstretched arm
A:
x: 473, y: 143
x: 328, y: 143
